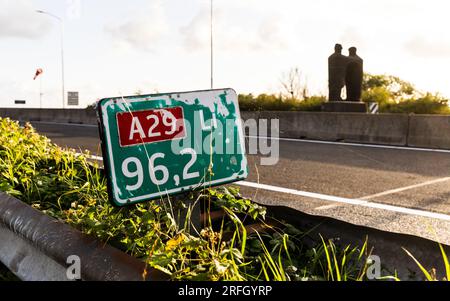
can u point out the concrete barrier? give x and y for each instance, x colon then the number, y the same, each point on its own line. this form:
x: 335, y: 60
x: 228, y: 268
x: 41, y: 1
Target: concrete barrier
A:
x: 431, y: 131
x: 388, y: 129
x: 308, y: 125
x: 427, y: 131
x: 77, y: 116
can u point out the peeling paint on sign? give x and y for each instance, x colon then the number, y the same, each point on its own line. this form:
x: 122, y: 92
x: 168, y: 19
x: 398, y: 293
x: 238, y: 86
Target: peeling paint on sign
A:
x: 163, y: 144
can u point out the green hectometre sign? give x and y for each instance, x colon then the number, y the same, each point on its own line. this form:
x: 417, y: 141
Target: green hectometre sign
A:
x: 164, y: 144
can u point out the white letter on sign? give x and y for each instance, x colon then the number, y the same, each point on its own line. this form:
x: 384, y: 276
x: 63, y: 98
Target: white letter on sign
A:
x: 139, y: 173
x: 136, y: 127
x: 186, y: 174
x: 153, y: 169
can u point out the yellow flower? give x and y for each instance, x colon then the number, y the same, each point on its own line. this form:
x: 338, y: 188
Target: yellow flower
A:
x: 175, y: 242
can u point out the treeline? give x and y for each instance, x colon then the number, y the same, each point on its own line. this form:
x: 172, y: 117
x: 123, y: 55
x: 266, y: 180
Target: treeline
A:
x: 272, y: 102
x: 391, y: 93
x: 397, y: 96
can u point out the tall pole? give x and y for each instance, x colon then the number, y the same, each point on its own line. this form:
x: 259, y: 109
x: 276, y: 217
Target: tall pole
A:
x: 62, y: 53
x: 62, y: 66
x: 212, y: 44
x: 40, y: 93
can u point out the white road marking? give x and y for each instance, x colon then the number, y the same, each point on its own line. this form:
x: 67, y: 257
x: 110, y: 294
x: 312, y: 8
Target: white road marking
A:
x: 405, y: 188
x: 356, y: 202
x: 327, y: 207
x: 340, y: 200
x: 355, y: 144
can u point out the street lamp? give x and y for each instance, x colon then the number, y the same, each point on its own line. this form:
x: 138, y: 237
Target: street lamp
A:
x: 212, y: 45
x: 62, y: 51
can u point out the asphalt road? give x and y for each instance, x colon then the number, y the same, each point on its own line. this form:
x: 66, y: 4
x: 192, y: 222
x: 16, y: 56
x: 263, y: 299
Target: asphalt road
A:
x: 326, y: 179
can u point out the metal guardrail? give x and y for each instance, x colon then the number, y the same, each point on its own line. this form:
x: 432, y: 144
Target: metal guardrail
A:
x: 35, y: 246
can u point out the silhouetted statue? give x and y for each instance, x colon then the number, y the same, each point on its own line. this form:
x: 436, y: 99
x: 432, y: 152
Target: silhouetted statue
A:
x: 354, y: 76
x: 336, y: 73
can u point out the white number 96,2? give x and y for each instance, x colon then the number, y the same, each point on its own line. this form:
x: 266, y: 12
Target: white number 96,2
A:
x: 163, y: 173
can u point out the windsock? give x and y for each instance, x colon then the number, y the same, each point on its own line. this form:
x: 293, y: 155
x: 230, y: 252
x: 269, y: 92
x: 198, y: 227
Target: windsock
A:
x: 39, y: 71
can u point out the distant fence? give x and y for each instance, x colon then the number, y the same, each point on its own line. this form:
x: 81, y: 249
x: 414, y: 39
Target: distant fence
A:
x: 428, y: 131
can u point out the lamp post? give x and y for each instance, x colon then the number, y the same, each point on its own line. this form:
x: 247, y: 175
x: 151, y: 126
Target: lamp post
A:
x: 40, y: 93
x: 62, y: 52
x: 212, y: 45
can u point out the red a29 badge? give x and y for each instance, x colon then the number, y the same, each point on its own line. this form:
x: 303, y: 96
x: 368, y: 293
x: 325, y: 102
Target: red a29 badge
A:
x: 150, y: 126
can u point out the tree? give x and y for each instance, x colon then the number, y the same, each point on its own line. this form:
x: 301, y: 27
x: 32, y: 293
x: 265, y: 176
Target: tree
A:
x: 293, y: 86
x: 384, y: 88
x: 398, y: 96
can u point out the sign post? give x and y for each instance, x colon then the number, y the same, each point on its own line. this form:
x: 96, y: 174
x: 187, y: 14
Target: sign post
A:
x: 72, y: 98
x: 164, y: 144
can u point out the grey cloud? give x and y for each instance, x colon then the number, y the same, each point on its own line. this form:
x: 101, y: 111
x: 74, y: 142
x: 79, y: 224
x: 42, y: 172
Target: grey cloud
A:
x: 196, y: 33
x: 144, y: 31
x: 18, y: 19
x: 268, y: 34
x: 426, y: 48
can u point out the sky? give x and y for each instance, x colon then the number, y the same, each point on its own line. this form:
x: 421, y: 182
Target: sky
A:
x: 115, y: 47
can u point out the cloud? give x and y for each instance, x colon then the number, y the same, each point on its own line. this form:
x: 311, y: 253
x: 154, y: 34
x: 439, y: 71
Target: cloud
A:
x: 267, y: 34
x: 18, y: 19
x: 196, y: 33
x: 271, y: 32
x: 144, y: 30
x: 428, y: 48
x: 352, y: 37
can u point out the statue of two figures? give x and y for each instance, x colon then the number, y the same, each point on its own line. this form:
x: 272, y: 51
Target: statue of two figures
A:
x: 345, y: 71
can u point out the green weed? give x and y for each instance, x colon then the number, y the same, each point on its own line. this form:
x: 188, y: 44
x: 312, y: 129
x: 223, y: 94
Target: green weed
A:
x: 73, y: 190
